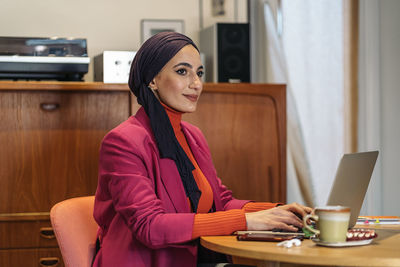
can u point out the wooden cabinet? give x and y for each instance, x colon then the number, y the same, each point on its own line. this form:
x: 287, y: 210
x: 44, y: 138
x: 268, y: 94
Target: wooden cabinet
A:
x: 245, y: 127
x: 49, y: 141
x: 50, y: 134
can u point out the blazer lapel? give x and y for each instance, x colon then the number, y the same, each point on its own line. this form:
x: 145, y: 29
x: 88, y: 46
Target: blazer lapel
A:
x: 205, y: 163
x: 169, y: 174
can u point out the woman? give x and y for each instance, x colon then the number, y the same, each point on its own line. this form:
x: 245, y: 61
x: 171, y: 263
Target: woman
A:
x: 158, y: 190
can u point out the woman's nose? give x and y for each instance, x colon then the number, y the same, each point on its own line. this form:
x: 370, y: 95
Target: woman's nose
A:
x: 196, y: 83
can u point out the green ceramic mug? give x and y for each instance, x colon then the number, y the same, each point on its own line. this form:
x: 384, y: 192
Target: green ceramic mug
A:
x: 332, y: 223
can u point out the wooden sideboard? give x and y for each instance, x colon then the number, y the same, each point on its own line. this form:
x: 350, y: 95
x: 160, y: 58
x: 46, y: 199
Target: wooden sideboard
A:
x: 245, y: 127
x: 50, y: 134
x: 49, y: 138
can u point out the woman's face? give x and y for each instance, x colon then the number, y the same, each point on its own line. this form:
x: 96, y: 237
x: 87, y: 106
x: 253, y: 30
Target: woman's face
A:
x: 178, y: 84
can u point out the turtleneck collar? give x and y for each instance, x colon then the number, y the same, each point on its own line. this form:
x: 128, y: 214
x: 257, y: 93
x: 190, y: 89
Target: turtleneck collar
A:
x: 175, y: 117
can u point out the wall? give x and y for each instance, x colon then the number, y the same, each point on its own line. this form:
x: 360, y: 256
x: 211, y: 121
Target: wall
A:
x: 106, y: 24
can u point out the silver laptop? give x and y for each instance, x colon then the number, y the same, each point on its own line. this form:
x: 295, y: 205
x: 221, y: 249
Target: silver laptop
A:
x: 351, y: 182
x: 349, y: 188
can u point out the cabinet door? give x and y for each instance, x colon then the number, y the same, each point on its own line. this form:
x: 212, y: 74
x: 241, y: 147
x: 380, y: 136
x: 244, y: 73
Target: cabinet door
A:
x: 49, y: 143
x: 243, y: 135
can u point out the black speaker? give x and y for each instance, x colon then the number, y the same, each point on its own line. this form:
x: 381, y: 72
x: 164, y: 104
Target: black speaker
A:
x: 226, y: 47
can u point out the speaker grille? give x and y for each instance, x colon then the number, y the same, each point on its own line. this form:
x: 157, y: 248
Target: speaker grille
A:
x: 233, y: 52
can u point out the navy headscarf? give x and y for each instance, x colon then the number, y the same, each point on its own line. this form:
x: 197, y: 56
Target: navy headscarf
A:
x: 148, y: 62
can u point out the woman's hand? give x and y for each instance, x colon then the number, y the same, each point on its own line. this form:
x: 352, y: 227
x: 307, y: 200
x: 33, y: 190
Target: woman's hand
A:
x: 297, y: 208
x: 285, y: 217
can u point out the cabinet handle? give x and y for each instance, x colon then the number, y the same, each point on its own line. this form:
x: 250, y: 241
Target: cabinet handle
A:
x: 50, y: 261
x: 47, y: 232
x: 49, y: 106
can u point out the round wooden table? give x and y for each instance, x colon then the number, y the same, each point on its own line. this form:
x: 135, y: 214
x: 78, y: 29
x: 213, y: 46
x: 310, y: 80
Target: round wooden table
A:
x: 383, y: 251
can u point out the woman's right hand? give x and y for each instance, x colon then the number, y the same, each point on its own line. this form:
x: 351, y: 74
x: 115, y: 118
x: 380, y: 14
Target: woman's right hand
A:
x: 275, y: 218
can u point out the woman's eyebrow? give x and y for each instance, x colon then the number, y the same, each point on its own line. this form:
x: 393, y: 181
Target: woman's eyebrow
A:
x: 188, y: 65
x: 184, y: 64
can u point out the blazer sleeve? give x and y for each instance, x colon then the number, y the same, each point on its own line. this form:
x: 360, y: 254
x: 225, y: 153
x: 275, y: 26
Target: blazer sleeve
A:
x: 124, y: 177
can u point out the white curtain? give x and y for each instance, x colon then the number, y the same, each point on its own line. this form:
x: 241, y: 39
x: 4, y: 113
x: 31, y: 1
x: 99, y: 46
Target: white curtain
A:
x: 313, y: 43
x: 308, y: 57
x: 270, y: 67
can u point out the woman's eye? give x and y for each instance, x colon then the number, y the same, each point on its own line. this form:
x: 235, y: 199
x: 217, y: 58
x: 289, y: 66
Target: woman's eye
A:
x: 200, y: 73
x: 181, y: 71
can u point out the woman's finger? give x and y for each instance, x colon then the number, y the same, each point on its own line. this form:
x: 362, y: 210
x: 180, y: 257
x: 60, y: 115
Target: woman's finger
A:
x: 297, y: 209
x: 288, y: 217
x: 286, y: 227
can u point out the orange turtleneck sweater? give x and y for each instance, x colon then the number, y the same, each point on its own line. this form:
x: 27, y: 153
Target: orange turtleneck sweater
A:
x: 216, y: 223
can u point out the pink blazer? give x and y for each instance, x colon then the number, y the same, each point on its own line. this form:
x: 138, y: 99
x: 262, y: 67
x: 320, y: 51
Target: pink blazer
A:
x: 140, y: 204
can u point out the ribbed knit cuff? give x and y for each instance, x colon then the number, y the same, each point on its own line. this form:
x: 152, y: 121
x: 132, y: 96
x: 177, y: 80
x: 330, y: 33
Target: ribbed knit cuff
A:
x: 219, y: 223
x: 257, y: 206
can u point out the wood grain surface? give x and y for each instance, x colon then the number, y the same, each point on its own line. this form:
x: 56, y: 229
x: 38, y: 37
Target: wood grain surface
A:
x: 383, y: 251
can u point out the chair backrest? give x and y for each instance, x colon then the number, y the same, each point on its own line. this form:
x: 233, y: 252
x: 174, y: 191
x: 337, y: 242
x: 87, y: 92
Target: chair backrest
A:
x: 75, y: 230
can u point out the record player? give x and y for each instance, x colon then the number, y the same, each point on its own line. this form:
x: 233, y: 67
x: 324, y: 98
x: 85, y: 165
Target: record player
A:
x: 31, y: 58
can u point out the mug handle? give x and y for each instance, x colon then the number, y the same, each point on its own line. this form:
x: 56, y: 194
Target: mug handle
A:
x: 315, y: 218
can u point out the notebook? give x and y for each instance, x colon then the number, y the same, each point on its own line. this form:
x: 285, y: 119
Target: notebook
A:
x: 351, y: 182
x: 349, y: 187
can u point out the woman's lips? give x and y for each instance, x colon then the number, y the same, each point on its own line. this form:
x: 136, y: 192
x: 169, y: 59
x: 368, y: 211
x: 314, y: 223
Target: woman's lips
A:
x: 192, y: 98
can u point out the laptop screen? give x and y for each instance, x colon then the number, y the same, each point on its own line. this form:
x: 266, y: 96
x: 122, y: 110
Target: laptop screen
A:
x: 351, y: 182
